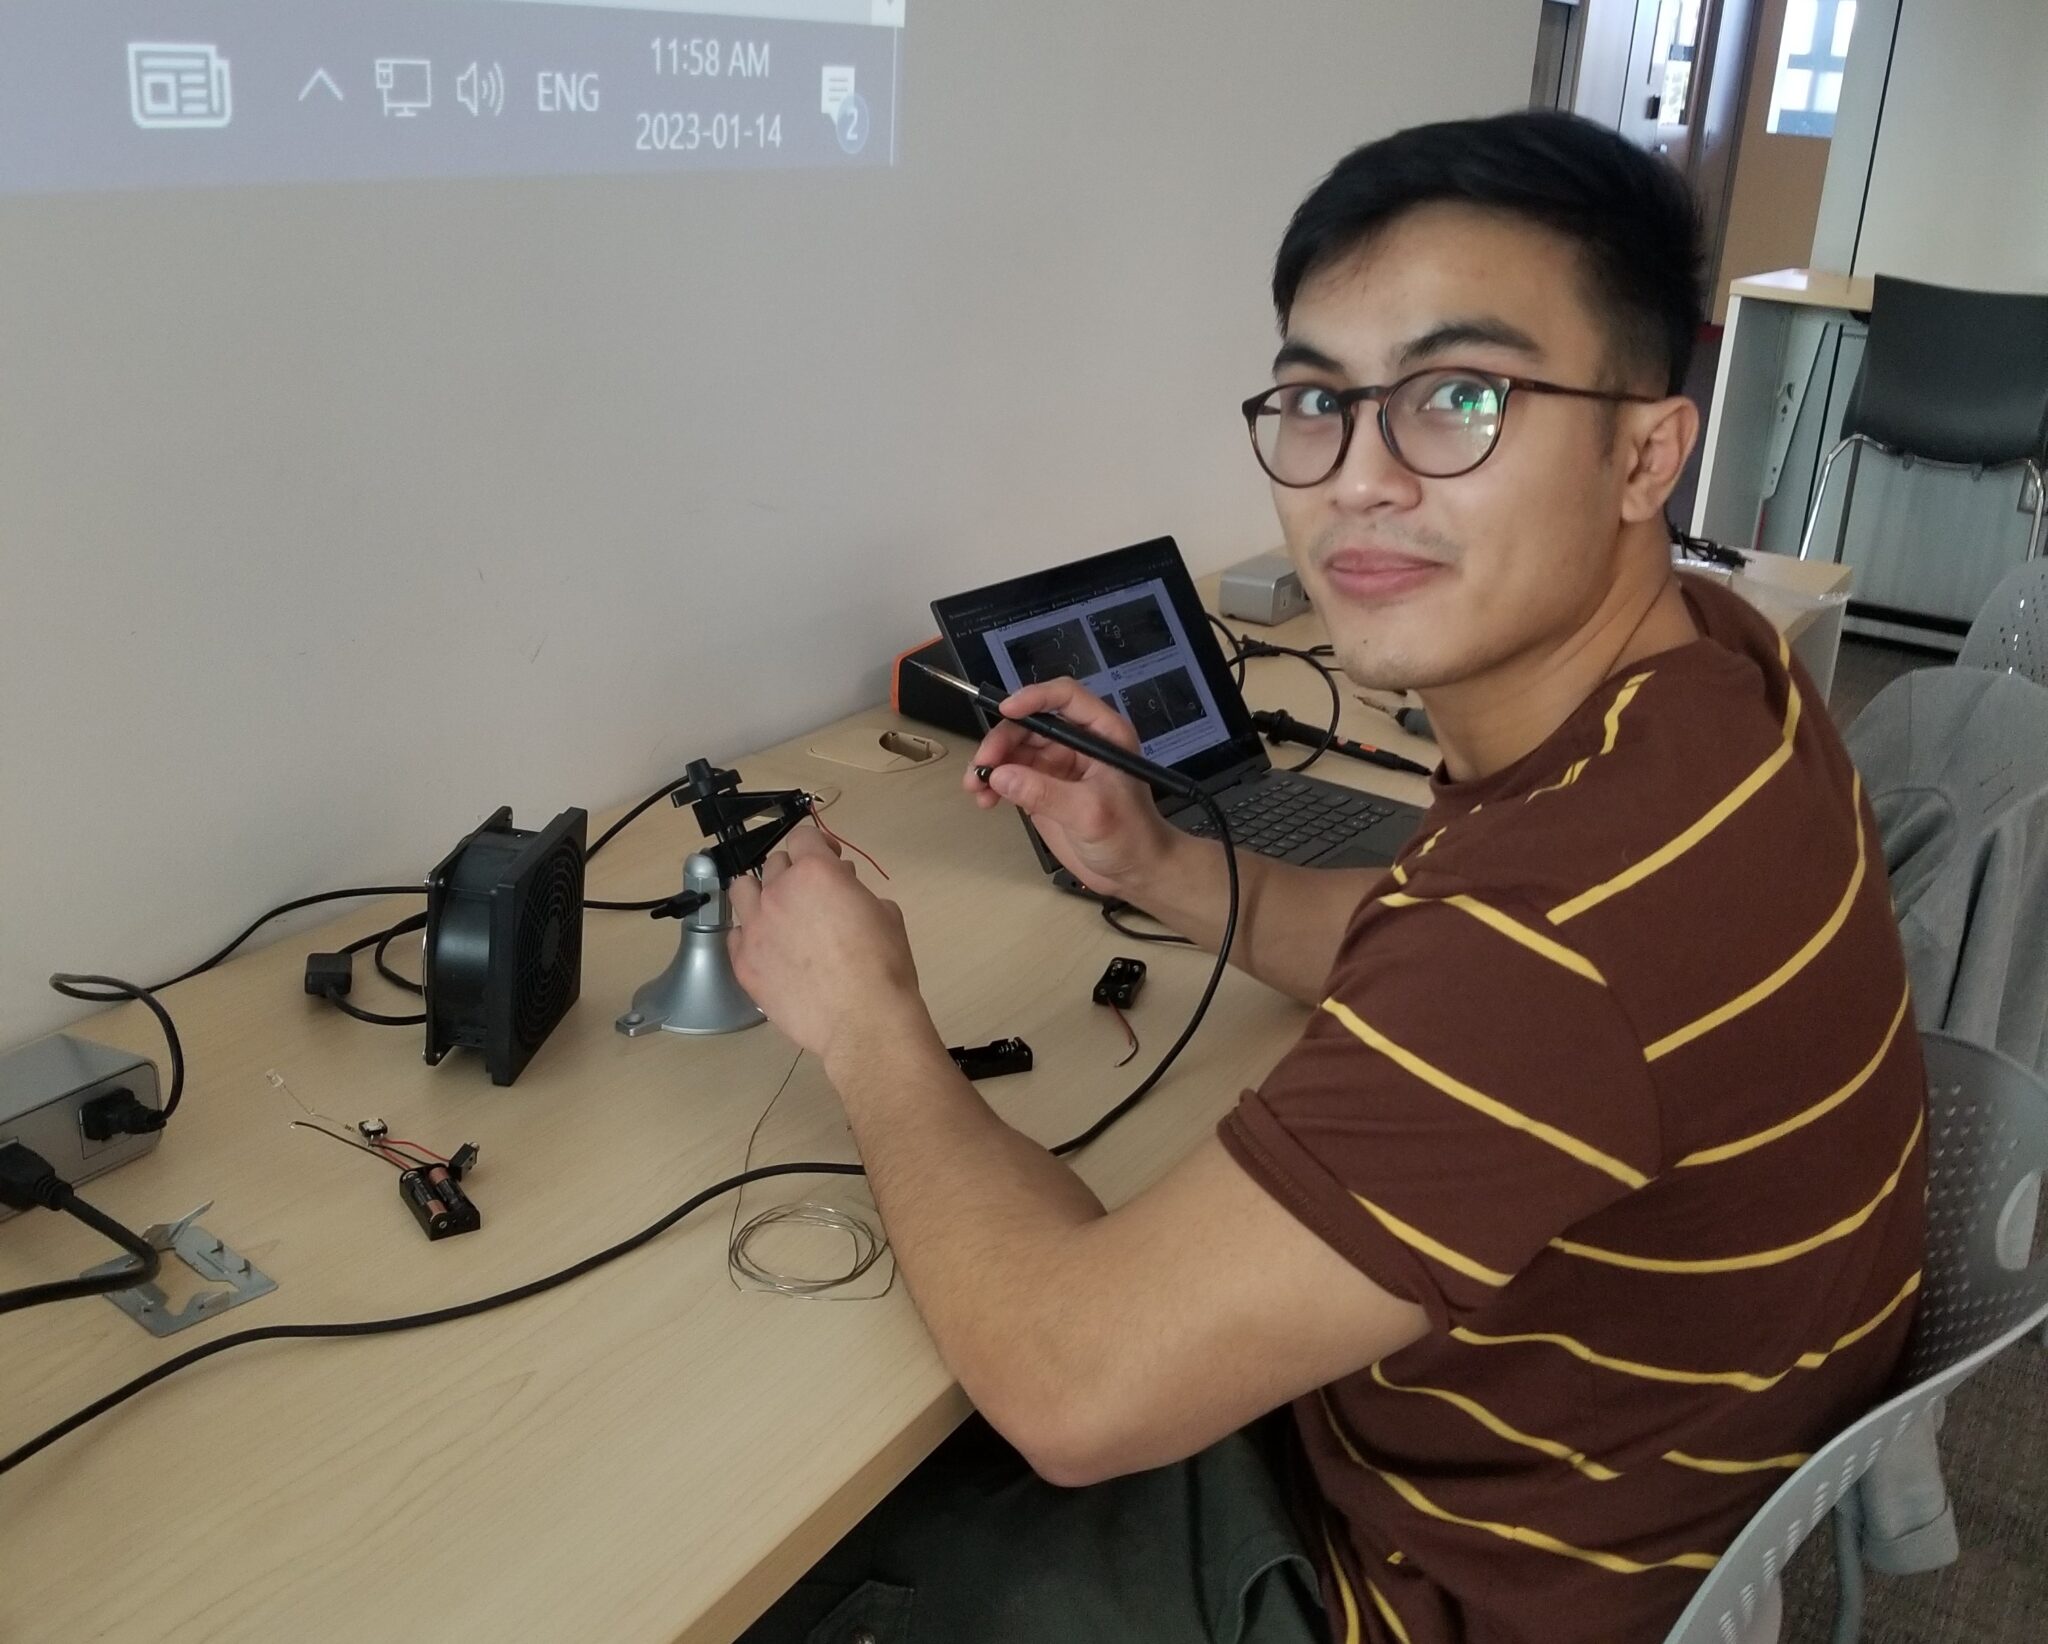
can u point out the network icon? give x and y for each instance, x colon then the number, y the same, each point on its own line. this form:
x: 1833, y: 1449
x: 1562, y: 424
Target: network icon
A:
x: 407, y: 84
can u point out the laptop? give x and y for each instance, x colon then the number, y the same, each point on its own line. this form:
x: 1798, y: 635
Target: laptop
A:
x: 1130, y: 627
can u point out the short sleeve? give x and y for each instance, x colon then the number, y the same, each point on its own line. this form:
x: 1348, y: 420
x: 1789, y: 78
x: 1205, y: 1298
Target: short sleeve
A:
x: 1468, y: 1092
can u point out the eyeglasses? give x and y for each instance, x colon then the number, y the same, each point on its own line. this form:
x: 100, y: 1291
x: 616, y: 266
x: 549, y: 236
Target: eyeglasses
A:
x: 1439, y: 423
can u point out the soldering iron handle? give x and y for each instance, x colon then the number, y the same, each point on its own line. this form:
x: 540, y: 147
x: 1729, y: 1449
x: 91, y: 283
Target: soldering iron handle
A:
x: 1055, y: 729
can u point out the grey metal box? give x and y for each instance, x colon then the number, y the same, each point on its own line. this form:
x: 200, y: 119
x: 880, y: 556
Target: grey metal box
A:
x: 44, y: 1084
x: 1263, y: 590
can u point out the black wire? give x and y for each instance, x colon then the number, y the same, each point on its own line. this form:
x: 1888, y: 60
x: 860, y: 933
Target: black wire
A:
x: 408, y: 1321
x: 205, y: 965
x: 1336, y: 711
x: 117, y: 991
x: 1110, y: 910
x: 1237, y: 656
x: 374, y: 1018
x: 619, y: 827
x: 336, y: 1136
x: 1208, y: 803
x: 1244, y: 648
x: 384, y: 940
x: 149, y: 1262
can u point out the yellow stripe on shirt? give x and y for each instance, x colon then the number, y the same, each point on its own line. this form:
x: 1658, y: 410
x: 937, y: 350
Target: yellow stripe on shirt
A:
x: 1344, y: 1594
x: 1666, y: 854
x: 1515, y: 931
x: 1493, y: 1108
x: 1520, y: 1534
x: 1626, y: 695
x: 1759, y: 1258
x: 1809, y: 950
x: 1412, y: 1236
x: 1386, y: 1610
x: 1827, y: 1104
x: 1745, y: 1380
x: 1572, y: 773
x: 1576, y: 1459
x: 1770, y: 1464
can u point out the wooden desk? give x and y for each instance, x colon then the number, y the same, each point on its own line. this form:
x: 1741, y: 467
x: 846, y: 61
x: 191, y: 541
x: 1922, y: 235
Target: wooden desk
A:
x: 646, y: 1454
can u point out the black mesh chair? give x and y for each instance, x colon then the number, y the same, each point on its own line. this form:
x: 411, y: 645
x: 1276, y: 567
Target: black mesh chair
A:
x: 1954, y: 378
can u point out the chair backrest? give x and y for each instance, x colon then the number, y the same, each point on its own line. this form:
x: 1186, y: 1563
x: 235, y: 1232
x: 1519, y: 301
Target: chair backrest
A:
x: 1987, y: 1138
x: 2010, y: 635
x: 1953, y: 375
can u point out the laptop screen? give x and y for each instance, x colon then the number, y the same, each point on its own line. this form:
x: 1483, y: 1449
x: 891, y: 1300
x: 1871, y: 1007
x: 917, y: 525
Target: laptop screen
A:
x: 1130, y: 627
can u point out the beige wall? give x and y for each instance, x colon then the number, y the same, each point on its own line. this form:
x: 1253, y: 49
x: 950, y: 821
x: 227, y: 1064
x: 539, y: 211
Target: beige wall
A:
x: 333, y: 518
x: 1778, y: 180
x: 1954, y: 190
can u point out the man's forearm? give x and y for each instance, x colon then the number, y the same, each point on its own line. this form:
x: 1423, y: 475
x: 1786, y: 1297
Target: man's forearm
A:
x: 1290, y: 919
x: 982, y: 1222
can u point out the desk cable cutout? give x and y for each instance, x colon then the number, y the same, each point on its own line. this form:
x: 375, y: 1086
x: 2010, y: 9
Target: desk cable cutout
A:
x: 1056, y: 730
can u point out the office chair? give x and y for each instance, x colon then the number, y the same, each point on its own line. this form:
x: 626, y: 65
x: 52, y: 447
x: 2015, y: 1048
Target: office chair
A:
x: 1958, y: 379
x: 1987, y: 1141
x: 2010, y: 635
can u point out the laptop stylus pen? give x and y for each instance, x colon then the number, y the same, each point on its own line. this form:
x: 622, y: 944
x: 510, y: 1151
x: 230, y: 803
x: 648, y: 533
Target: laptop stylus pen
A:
x: 1055, y: 729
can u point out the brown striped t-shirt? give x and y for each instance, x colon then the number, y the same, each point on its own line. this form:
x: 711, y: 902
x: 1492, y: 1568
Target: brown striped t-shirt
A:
x: 1617, y: 1079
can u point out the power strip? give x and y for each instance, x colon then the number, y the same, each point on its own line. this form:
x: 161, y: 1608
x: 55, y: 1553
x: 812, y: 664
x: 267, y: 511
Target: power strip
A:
x: 45, y: 1088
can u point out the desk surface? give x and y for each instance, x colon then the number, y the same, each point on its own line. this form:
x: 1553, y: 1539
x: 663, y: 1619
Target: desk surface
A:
x: 647, y: 1453
x: 1808, y: 287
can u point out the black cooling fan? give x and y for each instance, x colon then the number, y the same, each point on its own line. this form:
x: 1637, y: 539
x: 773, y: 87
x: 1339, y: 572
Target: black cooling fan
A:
x: 504, y: 947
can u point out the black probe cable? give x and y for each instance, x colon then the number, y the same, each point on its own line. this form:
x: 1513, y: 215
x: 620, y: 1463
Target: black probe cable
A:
x: 1243, y: 648
x: 1054, y: 729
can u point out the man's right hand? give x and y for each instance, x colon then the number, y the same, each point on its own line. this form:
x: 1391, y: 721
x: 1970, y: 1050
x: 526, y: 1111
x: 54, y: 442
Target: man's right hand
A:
x: 1100, y: 823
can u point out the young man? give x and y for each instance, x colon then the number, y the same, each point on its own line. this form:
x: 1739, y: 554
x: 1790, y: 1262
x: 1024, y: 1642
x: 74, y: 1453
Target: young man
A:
x: 1591, y: 1197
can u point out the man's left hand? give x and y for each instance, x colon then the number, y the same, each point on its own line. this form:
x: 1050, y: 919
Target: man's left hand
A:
x: 822, y: 955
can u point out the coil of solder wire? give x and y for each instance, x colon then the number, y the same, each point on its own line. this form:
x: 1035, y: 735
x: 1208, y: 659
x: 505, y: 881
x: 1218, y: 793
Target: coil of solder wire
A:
x: 868, y: 1248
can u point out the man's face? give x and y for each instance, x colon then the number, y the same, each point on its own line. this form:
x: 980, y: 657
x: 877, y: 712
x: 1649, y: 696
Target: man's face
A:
x: 1427, y: 582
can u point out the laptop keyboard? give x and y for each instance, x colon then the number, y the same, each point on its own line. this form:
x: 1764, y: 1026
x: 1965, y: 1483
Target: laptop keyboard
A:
x: 1295, y: 820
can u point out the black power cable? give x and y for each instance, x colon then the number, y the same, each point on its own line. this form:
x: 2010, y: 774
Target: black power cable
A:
x: 1112, y: 916
x: 360, y: 892
x: 27, y: 1181
x: 114, y: 991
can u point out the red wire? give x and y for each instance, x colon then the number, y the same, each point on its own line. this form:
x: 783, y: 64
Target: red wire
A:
x: 849, y: 844
x: 400, y: 1141
x: 1130, y: 1033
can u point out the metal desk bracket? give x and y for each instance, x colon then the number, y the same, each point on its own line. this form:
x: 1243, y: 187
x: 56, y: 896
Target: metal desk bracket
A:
x: 213, y: 1261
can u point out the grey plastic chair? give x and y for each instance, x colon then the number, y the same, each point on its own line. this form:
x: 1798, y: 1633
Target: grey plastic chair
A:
x: 1953, y: 378
x: 1987, y: 1126
x: 2010, y: 635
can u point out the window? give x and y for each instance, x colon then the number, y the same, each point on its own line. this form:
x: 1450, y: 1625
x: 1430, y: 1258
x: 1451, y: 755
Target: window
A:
x: 1811, y: 58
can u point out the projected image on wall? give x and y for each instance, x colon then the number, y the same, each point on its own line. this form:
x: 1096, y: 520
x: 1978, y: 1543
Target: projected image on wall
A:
x: 140, y: 94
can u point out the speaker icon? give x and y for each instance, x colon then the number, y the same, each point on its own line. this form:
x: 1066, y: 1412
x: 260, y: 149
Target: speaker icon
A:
x: 479, y: 88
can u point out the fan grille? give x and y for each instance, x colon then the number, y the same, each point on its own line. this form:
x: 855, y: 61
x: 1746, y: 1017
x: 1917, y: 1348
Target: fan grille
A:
x: 549, y: 947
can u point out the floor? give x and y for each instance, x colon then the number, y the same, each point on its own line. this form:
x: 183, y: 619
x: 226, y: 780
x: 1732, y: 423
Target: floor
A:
x: 1995, y: 1462
x: 1867, y: 666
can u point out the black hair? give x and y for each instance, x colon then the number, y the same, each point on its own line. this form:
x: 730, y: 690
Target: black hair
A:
x: 1630, y: 215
